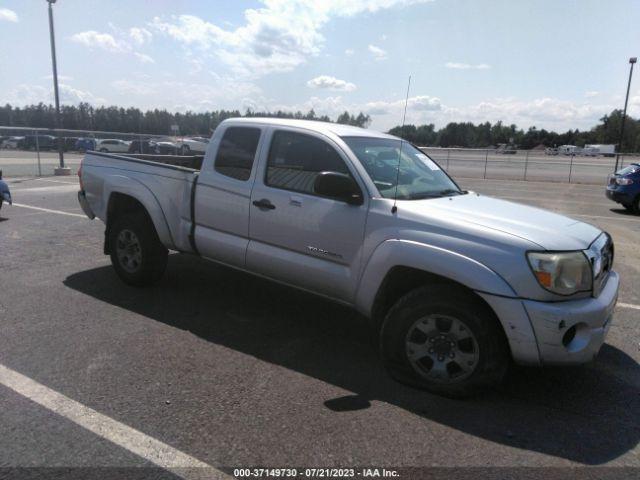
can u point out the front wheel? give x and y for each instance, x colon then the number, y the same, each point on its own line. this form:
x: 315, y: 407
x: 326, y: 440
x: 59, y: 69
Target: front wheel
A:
x: 445, y: 340
x: 137, y: 255
x: 104, y: 150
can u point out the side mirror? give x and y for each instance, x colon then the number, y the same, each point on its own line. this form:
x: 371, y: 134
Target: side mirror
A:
x: 338, y: 186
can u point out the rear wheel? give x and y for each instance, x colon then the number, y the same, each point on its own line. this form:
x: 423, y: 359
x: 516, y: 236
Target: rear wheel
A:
x: 104, y: 150
x: 444, y: 340
x: 137, y: 255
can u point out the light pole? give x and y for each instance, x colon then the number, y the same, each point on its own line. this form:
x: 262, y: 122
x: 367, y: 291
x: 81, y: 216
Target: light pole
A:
x: 61, y: 170
x: 632, y: 61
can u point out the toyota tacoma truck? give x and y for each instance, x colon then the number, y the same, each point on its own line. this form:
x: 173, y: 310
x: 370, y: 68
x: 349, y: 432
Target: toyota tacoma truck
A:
x: 456, y: 285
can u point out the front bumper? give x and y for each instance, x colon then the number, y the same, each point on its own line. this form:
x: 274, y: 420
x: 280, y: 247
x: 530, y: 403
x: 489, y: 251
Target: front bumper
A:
x: 571, y: 333
x: 84, y: 204
x: 537, y: 331
x: 619, y: 196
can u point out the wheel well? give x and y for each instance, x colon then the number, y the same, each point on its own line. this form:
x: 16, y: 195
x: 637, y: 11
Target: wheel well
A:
x: 120, y: 204
x: 400, y: 280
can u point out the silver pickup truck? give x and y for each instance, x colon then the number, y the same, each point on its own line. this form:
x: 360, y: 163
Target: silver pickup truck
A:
x: 455, y: 284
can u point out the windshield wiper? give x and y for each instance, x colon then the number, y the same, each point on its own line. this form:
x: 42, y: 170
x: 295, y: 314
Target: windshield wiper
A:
x: 450, y: 191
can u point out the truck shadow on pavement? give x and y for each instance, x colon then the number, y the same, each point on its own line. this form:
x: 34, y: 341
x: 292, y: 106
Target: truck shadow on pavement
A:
x: 586, y: 414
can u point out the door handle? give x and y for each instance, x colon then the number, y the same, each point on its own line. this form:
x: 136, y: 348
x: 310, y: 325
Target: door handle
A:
x: 264, y: 204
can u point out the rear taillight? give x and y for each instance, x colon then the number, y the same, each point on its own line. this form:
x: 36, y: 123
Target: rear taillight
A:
x: 623, y: 181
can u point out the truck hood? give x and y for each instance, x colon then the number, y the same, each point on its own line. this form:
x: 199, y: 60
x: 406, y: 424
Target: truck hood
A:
x: 547, y: 229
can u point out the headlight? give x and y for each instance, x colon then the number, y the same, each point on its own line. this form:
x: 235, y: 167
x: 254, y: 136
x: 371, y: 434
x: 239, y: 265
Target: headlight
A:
x: 562, y: 273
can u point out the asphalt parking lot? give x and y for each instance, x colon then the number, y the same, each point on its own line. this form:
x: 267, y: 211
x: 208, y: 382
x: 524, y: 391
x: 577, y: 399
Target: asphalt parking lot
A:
x: 216, y: 367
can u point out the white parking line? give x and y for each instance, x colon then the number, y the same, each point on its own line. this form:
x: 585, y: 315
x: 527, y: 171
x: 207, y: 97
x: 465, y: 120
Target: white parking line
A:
x: 59, y: 212
x: 628, y: 305
x: 118, y: 433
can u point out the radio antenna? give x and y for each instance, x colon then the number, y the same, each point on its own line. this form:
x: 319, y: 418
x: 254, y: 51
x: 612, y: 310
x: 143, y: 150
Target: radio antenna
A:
x: 394, y: 209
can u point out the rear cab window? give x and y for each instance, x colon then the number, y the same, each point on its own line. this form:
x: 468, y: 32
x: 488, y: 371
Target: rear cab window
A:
x: 237, y: 152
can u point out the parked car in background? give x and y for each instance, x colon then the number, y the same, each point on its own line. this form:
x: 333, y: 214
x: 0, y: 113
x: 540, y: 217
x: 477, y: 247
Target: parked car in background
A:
x: 39, y: 142
x: 84, y: 144
x: 69, y: 143
x: 551, y: 151
x: 143, y: 146
x: 12, y: 143
x: 624, y: 187
x: 194, y: 145
x: 112, y: 145
x: 5, y: 195
x: 167, y: 148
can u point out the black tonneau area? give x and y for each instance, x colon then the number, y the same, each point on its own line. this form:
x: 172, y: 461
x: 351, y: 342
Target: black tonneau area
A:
x: 177, y: 162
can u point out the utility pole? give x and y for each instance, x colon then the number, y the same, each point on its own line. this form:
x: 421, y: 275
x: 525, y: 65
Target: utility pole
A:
x: 632, y: 61
x: 61, y: 170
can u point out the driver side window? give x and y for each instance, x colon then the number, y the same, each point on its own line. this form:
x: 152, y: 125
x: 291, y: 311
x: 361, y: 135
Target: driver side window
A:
x: 296, y: 159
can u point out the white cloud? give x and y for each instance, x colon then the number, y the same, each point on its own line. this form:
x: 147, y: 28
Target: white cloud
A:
x: 377, y: 52
x: 591, y: 94
x: 105, y: 41
x: 28, y: 94
x: 419, y: 103
x: 144, y: 58
x: 331, y: 83
x: 8, y: 15
x: 349, y: 51
x: 140, y: 35
x: 274, y: 38
x: 221, y: 92
x: 467, y: 66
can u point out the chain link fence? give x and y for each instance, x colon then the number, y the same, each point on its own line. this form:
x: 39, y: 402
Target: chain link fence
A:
x: 527, y: 165
x: 34, y: 152
x: 26, y: 152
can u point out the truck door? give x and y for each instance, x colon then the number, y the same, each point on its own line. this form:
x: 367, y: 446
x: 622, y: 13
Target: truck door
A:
x: 295, y: 235
x: 223, y: 193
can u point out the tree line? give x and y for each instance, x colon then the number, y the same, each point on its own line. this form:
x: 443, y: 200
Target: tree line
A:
x: 133, y: 120
x: 467, y: 134
x: 456, y: 134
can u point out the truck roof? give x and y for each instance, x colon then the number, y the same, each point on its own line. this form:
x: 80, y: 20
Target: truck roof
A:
x: 316, y: 126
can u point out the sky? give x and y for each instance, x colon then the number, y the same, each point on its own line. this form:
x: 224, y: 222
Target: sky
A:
x: 555, y: 64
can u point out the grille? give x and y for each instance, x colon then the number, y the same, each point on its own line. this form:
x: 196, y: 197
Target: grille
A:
x: 601, y: 261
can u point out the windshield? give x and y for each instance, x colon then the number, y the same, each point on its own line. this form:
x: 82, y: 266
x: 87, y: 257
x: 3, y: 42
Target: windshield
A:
x: 628, y: 170
x: 418, y: 176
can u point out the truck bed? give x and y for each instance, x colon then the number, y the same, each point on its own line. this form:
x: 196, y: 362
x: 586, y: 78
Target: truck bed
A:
x: 191, y: 162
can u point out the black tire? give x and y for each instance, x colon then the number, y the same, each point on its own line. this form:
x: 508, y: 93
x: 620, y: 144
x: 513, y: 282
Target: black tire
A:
x: 635, y: 206
x: 185, y: 150
x: 151, y: 255
x: 104, y: 150
x: 430, y: 305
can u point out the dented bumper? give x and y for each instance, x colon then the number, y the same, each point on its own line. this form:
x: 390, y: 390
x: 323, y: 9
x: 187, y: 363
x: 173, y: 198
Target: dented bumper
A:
x: 556, y: 333
x: 570, y: 333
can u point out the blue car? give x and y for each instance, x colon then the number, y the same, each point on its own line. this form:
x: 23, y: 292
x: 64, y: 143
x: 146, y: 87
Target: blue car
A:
x: 624, y: 187
x: 85, y: 144
x: 5, y: 195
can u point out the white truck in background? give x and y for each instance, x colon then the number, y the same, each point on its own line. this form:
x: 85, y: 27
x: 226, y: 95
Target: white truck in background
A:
x: 607, y: 150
